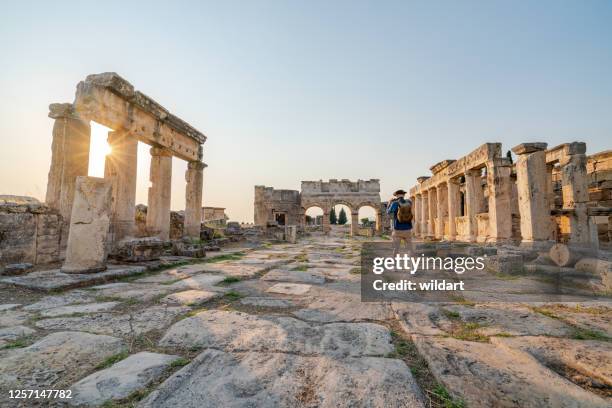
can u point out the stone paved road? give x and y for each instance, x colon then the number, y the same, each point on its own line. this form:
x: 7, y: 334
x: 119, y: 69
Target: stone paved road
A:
x: 284, y: 326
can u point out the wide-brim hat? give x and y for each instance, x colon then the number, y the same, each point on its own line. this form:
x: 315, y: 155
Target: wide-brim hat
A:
x: 399, y: 192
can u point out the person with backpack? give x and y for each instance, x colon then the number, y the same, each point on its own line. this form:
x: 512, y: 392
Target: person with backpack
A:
x: 400, y: 210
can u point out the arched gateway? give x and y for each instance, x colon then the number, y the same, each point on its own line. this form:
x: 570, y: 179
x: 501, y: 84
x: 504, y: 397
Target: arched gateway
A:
x: 288, y: 207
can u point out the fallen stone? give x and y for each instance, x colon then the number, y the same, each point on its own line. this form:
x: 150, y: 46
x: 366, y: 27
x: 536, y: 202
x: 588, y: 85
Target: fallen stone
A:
x: 139, y: 249
x: 237, y: 331
x: 266, y: 302
x: 284, y: 275
x: 290, y: 289
x: 190, y: 297
x: 84, y: 308
x: 124, y: 324
x: 284, y: 380
x: 119, y: 381
x: 54, y: 361
x: 484, y: 375
x: 508, y: 264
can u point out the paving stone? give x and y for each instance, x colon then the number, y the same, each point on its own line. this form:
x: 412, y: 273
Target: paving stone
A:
x: 8, y: 334
x: 235, y: 268
x: 485, y: 375
x: 13, y: 317
x: 330, y: 304
x: 237, y: 331
x: 204, y: 281
x: 69, y: 298
x: 173, y: 274
x: 119, y: 324
x: 286, y: 380
x: 588, y: 357
x: 9, y: 306
x: 54, y: 279
x: 507, y: 319
x: 418, y: 318
x: 114, y: 285
x: 120, y: 380
x: 290, y: 288
x: 55, y: 361
x: 190, y: 297
x: 82, y: 308
x: 267, y: 302
x: 143, y: 292
x: 285, y: 275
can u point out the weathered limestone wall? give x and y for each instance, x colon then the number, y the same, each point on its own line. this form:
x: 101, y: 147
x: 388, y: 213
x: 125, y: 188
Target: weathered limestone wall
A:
x: 269, y: 202
x: 30, y: 232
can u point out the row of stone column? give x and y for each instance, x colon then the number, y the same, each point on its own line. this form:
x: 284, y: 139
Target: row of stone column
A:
x: 438, y: 203
x: 441, y: 203
x: 70, y: 158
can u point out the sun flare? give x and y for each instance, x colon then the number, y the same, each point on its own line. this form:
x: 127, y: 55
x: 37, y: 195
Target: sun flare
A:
x: 98, y: 150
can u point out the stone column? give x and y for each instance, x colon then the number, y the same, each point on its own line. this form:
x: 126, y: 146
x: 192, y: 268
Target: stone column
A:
x: 425, y: 214
x: 432, y: 213
x: 379, y: 229
x: 500, y: 193
x: 158, y: 212
x: 354, y: 224
x: 416, y: 207
x: 69, y: 157
x: 533, y: 193
x: 472, y: 200
x: 453, y: 208
x: 87, y: 248
x: 120, y: 168
x: 194, y: 176
x: 441, y: 210
x: 574, y: 182
x: 325, y: 221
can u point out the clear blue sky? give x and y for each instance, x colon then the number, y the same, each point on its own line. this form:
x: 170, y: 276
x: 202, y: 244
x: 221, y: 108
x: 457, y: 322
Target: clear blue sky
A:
x: 289, y: 91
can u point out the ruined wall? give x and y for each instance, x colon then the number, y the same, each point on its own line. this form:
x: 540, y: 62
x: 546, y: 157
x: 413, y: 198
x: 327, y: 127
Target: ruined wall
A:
x: 214, y: 216
x: 30, y: 232
x: 353, y: 194
x: 269, y: 202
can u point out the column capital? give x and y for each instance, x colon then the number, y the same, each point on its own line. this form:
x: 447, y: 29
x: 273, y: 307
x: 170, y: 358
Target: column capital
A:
x: 62, y: 110
x: 160, y: 151
x: 473, y: 173
x: 196, y: 165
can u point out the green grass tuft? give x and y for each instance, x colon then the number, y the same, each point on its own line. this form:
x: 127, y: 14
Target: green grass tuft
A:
x: 112, y: 360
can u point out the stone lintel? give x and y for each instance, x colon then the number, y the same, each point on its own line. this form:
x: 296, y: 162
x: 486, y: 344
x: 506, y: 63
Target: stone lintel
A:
x: 525, y: 148
x: 422, y: 179
x: 121, y: 87
x: 438, y: 167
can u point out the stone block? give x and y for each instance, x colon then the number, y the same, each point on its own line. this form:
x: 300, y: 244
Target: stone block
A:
x: 139, y: 250
x: 525, y: 148
x: 506, y: 264
x: 89, y: 226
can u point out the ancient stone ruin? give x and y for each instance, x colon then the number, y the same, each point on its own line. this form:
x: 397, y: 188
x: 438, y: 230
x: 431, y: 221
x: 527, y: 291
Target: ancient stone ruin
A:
x: 288, y: 207
x: 46, y: 233
x: 547, y: 196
